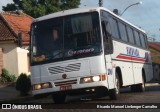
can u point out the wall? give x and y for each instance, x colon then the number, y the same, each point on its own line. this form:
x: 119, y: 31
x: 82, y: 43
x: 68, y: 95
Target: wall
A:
x: 155, y: 57
x: 1, y: 61
x: 22, y: 60
x: 9, y: 57
x: 14, y: 58
x: 156, y: 63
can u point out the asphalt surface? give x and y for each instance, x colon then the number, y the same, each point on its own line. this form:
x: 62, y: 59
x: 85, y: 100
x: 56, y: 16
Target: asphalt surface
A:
x: 151, y: 95
x: 8, y: 94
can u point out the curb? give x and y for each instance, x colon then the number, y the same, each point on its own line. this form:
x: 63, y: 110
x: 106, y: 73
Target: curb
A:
x: 152, y: 84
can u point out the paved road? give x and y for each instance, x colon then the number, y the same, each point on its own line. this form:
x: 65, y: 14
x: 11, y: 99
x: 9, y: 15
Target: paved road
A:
x: 152, y: 95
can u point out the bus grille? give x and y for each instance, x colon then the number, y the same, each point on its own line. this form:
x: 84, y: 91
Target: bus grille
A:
x: 65, y: 83
x: 69, y: 68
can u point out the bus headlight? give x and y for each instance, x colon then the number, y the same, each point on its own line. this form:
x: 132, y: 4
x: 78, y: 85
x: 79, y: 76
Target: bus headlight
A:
x: 37, y: 86
x: 96, y: 78
x: 86, y: 80
x: 90, y: 79
x: 45, y: 85
x: 42, y: 86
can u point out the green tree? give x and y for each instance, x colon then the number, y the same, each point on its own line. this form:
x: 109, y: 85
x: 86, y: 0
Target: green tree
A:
x: 37, y: 8
x: 13, y: 6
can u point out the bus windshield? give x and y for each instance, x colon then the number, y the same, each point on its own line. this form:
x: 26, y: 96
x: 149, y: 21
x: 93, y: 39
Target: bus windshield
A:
x: 67, y: 37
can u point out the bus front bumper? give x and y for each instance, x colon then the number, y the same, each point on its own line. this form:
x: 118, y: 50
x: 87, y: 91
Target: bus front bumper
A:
x: 92, y: 87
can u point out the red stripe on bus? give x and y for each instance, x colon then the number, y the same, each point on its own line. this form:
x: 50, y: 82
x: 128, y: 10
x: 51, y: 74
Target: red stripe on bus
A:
x: 130, y: 58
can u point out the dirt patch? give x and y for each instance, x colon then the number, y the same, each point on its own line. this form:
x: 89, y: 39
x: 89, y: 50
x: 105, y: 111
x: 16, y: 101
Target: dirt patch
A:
x: 7, y: 84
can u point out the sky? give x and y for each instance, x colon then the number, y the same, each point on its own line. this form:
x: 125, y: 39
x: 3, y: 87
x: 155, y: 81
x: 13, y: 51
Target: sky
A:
x: 145, y: 15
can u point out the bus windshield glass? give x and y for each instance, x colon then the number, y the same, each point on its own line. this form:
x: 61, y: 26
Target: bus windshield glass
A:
x: 68, y: 37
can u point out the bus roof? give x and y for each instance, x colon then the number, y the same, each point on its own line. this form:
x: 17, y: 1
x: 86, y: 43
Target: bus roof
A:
x: 82, y: 10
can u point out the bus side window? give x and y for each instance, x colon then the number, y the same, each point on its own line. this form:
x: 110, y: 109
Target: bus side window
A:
x: 142, y: 38
x: 122, y: 30
x: 136, y: 34
x: 114, y: 27
x: 130, y: 35
x: 108, y: 45
x: 146, y: 42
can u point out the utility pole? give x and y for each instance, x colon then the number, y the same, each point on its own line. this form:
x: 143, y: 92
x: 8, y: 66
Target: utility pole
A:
x: 100, y: 3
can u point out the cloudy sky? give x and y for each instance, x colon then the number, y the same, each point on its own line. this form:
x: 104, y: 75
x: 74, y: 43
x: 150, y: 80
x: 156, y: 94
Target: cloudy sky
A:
x: 145, y: 15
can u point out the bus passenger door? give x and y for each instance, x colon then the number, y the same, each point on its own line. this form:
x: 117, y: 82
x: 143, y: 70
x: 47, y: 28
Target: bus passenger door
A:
x: 108, y: 49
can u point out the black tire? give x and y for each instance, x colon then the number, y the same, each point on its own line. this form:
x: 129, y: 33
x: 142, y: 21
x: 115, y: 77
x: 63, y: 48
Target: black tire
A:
x: 114, y: 93
x: 133, y: 88
x: 141, y: 87
x: 138, y: 87
x: 40, y: 96
x: 59, y: 98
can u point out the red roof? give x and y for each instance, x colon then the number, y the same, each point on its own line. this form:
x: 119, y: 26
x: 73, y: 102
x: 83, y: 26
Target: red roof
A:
x: 155, y: 45
x: 5, y: 34
x: 16, y: 23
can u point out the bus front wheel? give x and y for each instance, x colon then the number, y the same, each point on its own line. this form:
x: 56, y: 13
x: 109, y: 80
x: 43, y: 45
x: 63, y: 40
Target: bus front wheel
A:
x: 59, y: 98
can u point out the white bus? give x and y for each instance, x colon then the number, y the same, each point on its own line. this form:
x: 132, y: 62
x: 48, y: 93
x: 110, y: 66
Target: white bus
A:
x: 87, y: 50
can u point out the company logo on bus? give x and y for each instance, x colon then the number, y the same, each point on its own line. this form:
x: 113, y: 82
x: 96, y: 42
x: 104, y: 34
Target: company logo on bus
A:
x: 133, y: 54
x: 79, y: 52
x: 64, y: 76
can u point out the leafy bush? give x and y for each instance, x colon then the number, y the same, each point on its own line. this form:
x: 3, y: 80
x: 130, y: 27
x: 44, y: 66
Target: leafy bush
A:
x: 11, y: 78
x: 5, y: 74
x: 6, y: 77
x: 23, y: 84
x: 29, y: 76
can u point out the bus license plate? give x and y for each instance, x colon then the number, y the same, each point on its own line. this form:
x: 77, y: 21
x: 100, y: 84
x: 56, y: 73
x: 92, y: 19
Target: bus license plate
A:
x: 66, y: 87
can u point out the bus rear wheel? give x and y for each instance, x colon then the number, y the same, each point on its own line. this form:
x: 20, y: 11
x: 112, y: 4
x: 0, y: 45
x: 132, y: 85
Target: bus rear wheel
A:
x: 138, y: 87
x: 59, y: 98
x: 114, y: 93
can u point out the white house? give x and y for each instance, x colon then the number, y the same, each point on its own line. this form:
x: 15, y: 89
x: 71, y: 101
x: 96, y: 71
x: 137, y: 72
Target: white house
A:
x: 12, y: 57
